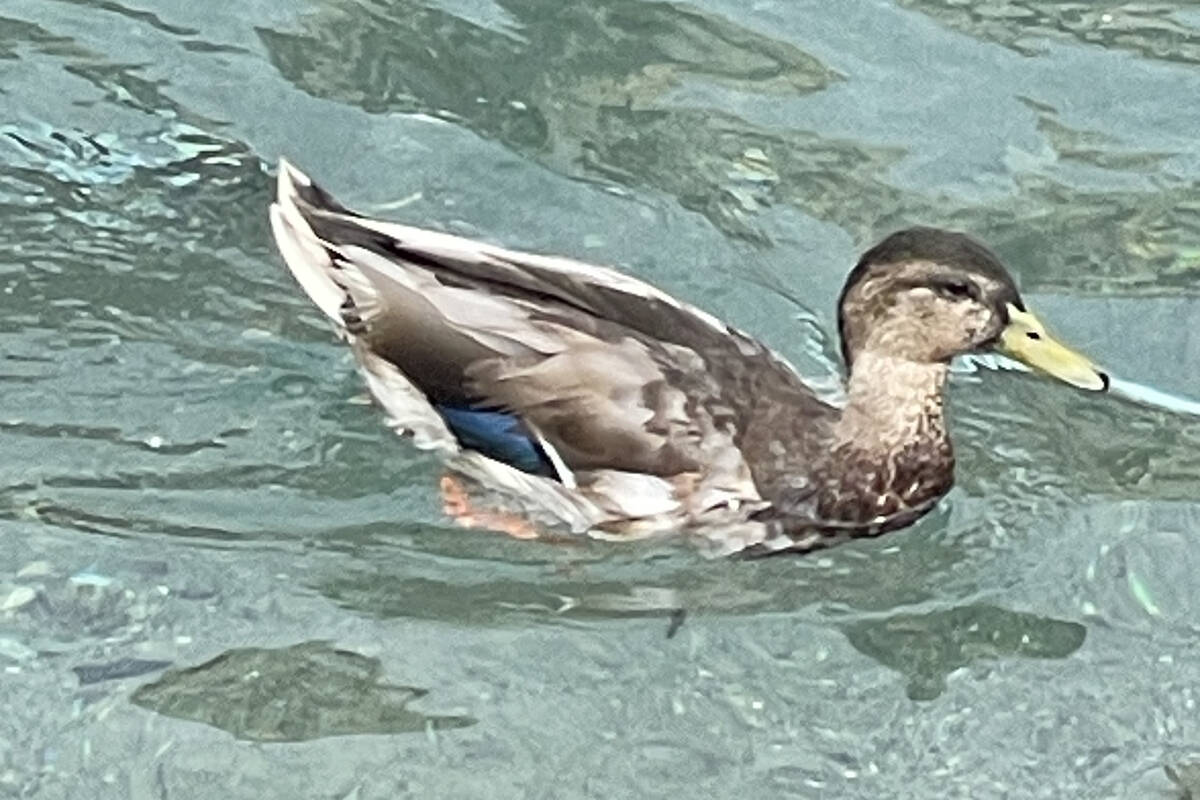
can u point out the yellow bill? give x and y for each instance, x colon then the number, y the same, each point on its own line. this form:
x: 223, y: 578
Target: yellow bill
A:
x: 1026, y: 340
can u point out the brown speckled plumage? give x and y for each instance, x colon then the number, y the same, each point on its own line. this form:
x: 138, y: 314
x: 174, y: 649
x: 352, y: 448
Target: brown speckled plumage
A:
x: 649, y: 414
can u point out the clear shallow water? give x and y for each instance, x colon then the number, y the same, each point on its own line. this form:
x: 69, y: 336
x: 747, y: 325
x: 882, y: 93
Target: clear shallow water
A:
x: 189, y: 478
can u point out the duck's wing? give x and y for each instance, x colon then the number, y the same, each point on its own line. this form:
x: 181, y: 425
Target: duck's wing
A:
x: 559, y: 368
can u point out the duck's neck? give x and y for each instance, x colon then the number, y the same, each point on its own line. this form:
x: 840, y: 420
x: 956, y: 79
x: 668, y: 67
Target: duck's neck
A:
x: 892, y: 402
x: 890, y: 447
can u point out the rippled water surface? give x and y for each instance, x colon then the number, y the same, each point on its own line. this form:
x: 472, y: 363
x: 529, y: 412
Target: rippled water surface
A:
x: 221, y: 576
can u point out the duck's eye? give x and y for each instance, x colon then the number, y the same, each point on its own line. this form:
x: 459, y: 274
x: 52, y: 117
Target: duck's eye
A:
x: 957, y: 289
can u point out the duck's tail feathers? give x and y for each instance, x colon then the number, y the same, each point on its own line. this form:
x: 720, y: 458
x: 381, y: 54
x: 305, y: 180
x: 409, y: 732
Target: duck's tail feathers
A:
x: 297, y: 184
x: 311, y: 261
x: 303, y: 251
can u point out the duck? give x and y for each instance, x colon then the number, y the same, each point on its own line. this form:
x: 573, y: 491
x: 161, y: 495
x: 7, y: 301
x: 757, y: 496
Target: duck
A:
x: 594, y: 403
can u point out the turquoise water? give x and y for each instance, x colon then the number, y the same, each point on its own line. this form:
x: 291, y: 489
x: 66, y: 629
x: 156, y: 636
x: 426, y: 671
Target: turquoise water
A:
x: 191, y: 478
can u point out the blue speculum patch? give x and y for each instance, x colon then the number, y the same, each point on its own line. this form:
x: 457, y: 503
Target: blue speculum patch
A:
x: 499, y: 435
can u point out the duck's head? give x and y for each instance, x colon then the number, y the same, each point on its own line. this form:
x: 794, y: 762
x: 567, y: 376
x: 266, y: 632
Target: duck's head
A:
x: 927, y: 295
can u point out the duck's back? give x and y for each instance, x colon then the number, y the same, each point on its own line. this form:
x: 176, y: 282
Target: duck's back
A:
x: 570, y: 373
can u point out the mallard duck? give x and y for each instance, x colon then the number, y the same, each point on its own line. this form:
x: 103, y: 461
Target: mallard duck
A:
x: 598, y: 403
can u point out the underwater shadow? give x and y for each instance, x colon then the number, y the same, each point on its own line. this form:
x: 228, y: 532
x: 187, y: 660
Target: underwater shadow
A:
x: 307, y: 691
x: 926, y: 648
